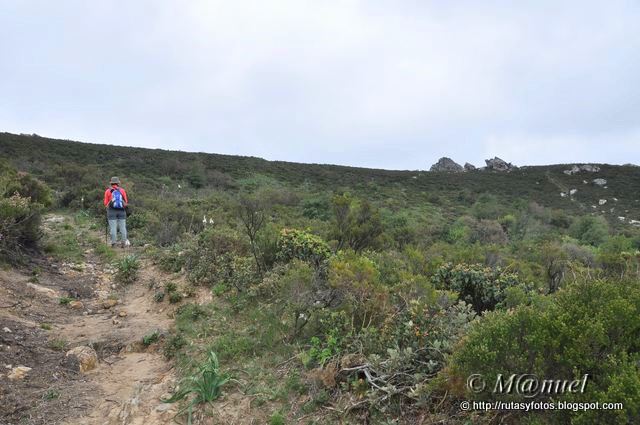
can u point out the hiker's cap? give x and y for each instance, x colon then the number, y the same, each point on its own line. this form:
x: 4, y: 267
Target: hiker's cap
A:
x: 115, y: 180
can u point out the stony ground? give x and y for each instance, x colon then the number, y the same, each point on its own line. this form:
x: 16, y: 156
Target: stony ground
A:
x: 41, y: 384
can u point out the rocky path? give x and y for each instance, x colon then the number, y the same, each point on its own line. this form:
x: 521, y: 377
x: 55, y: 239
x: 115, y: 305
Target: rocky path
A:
x: 82, y: 361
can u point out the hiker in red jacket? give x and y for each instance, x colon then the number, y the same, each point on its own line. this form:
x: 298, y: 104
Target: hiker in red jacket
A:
x: 115, y: 201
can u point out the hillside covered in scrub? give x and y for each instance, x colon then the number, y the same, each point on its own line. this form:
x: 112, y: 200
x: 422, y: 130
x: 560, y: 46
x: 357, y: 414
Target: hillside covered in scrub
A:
x: 331, y: 294
x: 79, y: 170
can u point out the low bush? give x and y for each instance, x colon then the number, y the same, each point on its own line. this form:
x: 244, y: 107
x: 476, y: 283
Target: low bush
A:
x: 316, y: 208
x: 356, y: 224
x: 590, y: 230
x: 171, y: 260
x: 173, y: 345
x: 303, y: 246
x: 175, y: 297
x: 396, y: 364
x: 150, y: 338
x: 22, y: 200
x: 211, y: 258
x: 482, y: 287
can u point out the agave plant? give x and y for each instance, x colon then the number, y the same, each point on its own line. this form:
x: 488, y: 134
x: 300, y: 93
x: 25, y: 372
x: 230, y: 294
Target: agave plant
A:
x: 205, y: 385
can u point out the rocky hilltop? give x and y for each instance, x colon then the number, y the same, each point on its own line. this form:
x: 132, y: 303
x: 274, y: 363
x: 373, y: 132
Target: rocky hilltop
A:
x: 497, y: 164
x: 448, y: 165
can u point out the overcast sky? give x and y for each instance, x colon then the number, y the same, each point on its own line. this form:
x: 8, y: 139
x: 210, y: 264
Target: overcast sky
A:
x: 389, y: 84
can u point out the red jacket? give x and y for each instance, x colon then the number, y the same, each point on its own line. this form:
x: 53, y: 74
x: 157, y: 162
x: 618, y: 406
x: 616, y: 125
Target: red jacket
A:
x: 107, y: 195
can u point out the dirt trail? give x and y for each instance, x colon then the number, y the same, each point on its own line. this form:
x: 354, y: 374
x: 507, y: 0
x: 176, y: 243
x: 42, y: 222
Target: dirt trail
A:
x: 130, y: 379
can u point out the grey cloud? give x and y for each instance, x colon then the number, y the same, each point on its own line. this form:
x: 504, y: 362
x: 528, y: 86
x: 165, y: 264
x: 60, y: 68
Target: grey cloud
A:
x: 388, y: 84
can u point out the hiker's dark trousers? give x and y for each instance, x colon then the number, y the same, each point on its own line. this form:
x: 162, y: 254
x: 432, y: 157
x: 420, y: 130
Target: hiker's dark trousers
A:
x: 117, y: 220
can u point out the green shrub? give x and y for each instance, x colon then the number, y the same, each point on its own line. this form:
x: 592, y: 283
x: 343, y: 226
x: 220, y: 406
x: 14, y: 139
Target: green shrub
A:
x: 243, y: 273
x: 19, y: 225
x: 357, y: 289
x: 192, y: 312
x: 317, y: 208
x: 488, y: 207
x: 127, y: 269
x: 196, y: 177
x: 356, y: 225
x: 210, y: 260
x: 171, y: 260
x: 151, y: 338
x: 615, y: 256
x: 399, y: 227
x: 434, y: 320
x: 509, y: 224
x: 488, y: 232
x: 303, y: 246
x: 459, y: 231
x: 166, y: 222
x: 51, y: 394
x: 321, y: 351
x: 267, y: 245
x: 24, y: 184
x: 586, y: 328
x: 138, y: 221
x: 58, y: 344
x: 173, y: 345
x: 104, y: 250
x: 482, y: 287
x: 393, y: 266
x: 276, y: 419
x: 590, y: 230
x: 175, y: 297
x: 65, y: 300
x: 170, y: 287
x: 22, y: 200
x: 579, y: 254
x: 218, y: 289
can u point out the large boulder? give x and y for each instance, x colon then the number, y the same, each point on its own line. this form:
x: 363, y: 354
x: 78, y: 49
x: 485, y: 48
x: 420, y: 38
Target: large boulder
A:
x: 469, y: 167
x: 588, y: 168
x: 497, y: 164
x: 86, y: 356
x: 447, y: 165
x: 600, y: 182
x: 573, y: 170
